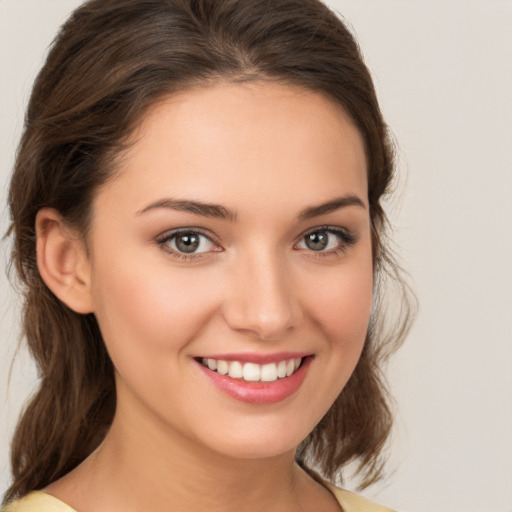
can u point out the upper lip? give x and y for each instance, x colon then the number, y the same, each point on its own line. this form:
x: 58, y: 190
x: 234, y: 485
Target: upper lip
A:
x: 252, y: 357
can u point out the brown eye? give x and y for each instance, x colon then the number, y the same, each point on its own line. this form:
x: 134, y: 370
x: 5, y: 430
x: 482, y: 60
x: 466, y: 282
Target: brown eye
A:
x: 327, y: 240
x: 187, y: 242
x: 317, y: 241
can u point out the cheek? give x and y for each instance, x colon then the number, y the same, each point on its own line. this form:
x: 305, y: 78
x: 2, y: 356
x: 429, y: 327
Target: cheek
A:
x: 148, y: 318
x: 343, y: 304
x: 148, y: 309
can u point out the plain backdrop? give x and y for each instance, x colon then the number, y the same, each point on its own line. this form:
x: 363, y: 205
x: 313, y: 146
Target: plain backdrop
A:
x: 443, y: 72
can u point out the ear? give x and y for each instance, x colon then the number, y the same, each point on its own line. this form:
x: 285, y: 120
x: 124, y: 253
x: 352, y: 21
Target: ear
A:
x: 62, y: 261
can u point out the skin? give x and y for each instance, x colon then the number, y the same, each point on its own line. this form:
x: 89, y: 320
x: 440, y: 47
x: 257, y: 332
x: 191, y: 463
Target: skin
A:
x: 265, y: 152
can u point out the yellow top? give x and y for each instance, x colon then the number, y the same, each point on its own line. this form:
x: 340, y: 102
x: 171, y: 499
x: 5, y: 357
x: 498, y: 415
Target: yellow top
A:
x: 39, y: 501
x: 351, y: 502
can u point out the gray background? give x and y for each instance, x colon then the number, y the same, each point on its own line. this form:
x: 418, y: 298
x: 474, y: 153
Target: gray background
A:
x: 443, y: 71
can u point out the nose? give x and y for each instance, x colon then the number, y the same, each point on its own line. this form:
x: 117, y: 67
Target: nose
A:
x: 262, y: 301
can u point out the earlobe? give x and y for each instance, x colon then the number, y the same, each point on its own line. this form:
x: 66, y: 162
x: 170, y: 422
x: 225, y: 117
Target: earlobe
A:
x: 62, y: 261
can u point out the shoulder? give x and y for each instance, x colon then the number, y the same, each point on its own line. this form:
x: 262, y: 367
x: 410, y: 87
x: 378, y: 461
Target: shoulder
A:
x: 351, y: 502
x: 37, y: 501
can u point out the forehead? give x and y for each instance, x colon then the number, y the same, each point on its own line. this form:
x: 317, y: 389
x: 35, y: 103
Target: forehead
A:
x: 238, y: 142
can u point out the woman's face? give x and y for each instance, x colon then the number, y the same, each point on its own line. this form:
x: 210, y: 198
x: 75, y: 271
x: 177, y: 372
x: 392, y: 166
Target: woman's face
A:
x: 231, y: 267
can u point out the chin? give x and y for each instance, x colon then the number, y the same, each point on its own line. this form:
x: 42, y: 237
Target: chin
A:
x: 266, y: 440
x: 257, y: 449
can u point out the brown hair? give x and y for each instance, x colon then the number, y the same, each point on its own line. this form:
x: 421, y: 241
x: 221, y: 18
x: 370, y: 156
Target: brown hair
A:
x: 109, y: 63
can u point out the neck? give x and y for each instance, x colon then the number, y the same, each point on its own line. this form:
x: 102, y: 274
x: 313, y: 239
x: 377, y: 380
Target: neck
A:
x: 192, y: 477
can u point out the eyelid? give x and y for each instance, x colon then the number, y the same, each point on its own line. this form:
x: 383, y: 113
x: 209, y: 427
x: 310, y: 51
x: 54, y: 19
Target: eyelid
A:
x: 162, y: 239
x: 348, y: 238
x: 186, y: 229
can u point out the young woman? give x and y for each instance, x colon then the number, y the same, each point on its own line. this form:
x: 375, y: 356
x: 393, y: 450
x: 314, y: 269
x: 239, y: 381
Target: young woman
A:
x: 197, y: 224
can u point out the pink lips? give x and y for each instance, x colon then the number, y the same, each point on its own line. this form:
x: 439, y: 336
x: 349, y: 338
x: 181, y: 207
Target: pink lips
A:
x: 259, y: 392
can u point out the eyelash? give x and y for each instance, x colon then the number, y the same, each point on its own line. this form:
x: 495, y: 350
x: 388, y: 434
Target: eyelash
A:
x: 163, y: 240
x: 347, y: 239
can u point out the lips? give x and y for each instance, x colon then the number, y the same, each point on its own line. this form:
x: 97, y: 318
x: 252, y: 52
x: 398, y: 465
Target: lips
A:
x: 257, y: 379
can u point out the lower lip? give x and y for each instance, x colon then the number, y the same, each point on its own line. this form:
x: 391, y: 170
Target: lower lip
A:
x: 259, y: 393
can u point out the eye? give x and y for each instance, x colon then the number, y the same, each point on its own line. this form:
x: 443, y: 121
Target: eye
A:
x: 328, y: 239
x: 187, y: 242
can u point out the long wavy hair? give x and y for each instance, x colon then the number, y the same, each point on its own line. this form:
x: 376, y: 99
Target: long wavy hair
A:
x: 109, y: 63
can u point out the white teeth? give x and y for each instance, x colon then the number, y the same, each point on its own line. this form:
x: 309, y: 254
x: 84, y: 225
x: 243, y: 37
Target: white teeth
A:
x: 222, y: 367
x: 252, y: 372
x: 281, y: 369
x: 290, y: 367
x: 269, y: 372
x: 236, y: 370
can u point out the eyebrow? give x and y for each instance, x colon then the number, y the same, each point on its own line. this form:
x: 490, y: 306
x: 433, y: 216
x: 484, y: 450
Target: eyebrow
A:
x: 197, y: 207
x: 331, y: 206
x: 221, y: 212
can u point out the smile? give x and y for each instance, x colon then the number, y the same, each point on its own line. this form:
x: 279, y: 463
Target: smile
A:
x: 259, y: 379
x: 253, y: 372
